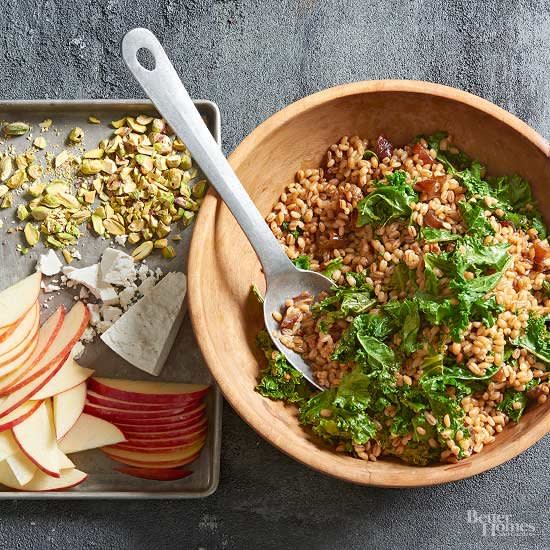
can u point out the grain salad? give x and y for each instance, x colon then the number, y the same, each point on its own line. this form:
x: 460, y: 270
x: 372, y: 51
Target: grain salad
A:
x: 434, y: 337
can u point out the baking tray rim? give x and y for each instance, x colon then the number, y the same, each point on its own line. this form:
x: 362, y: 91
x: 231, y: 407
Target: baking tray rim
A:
x: 213, y: 110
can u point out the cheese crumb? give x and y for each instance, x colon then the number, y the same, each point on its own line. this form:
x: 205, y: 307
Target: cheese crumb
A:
x: 49, y: 264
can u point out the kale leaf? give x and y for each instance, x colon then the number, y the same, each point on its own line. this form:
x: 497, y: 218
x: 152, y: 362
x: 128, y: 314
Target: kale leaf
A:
x: 536, y: 337
x: 302, y: 262
x: 405, y: 314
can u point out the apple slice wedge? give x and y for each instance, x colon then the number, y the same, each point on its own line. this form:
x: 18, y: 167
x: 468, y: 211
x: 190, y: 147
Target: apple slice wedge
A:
x: 98, y: 399
x: 73, y: 326
x: 21, y: 361
x: 146, y: 445
x: 137, y: 456
x: 156, y: 474
x: 70, y: 375
x: 147, y: 392
x: 16, y: 300
x: 90, y: 432
x: 36, y: 438
x: 41, y: 481
x: 166, y: 425
x: 156, y: 465
x: 46, y: 335
x: 6, y: 331
x: 22, y: 468
x: 63, y: 460
x: 151, y: 435
x: 19, y: 414
x: 24, y: 332
x: 67, y: 407
x: 118, y: 414
x: 8, y: 445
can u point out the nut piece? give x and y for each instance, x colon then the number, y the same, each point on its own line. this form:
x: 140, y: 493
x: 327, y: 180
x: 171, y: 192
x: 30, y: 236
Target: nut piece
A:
x: 13, y: 129
x: 142, y: 251
x: 7, y: 201
x: 22, y: 212
x: 32, y: 235
x: 67, y: 255
x: 114, y: 227
x: 6, y: 168
x: 17, y: 180
x: 76, y: 135
x: 93, y: 120
x: 34, y: 171
x: 168, y: 252
x: 40, y: 142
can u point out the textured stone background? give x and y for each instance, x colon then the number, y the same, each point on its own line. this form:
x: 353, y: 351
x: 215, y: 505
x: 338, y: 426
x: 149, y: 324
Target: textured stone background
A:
x: 253, y: 58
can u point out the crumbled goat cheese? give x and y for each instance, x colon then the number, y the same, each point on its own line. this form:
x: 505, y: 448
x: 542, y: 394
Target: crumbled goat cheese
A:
x: 49, y: 264
x: 117, y: 268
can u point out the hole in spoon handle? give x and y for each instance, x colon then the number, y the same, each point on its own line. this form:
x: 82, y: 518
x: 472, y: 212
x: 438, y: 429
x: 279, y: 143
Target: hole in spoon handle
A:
x: 143, y: 39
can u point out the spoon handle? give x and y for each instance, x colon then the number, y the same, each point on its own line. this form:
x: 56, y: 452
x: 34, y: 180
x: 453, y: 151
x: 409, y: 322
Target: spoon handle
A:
x: 171, y: 99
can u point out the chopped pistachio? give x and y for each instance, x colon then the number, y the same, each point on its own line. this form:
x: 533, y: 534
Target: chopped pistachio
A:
x: 133, y: 238
x: 90, y: 167
x: 67, y: 200
x: 97, y: 224
x: 67, y: 255
x: 100, y: 212
x: 94, y: 154
x: 76, y: 135
x: 6, y: 168
x: 36, y: 189
x: 13, y: 129
x: 22, y: 212
x: 158, y: 125
x: 168, y: 252
x: 144, y: 119
x: 17, y: 180
x: 22, y: 249
x: 40, y: 213
x: 142, y: 251
x: 89, y: 196
x: 3, y: 190
x: 118, y: 123
x: 46, y: 124
x: 40, y: 142
x: 136, y: 127
x: 161, y: 243
x: 199, y: 189
x: 61, y: 159
x: 7, y: 201
x: 50, y: 200
x: 32, y: 234
x: 53, y: 242
x: 35, y: 171
x: 93, y: 120
x: 114, y: 227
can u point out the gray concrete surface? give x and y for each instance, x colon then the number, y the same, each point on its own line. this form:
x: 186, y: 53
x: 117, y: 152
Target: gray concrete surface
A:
x: 253, y: 58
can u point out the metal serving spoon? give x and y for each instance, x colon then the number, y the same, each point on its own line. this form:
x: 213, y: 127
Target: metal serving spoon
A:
x: 164, y: 88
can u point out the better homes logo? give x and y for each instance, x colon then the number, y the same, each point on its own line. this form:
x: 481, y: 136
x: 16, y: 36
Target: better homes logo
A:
x: 500, y: 525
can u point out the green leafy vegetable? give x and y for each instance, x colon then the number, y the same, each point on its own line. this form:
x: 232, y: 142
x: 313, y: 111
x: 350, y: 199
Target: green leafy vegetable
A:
x: 303, y: 261
x: 405, y: 315
x: 433, y: 235
x: 332, y: 266
x: 513, y: 404
x: 387, y: 202
x: 536, y: 338
x: 279, y: 380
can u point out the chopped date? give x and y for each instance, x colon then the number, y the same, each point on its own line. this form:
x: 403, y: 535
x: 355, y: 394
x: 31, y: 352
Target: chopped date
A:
x: 383, y: 148
x: 431, y: 220
x: 430, y: 186
x: 333, y: 242
x: 290, y: 320
x: 542, y: 255
x: 422, y: 152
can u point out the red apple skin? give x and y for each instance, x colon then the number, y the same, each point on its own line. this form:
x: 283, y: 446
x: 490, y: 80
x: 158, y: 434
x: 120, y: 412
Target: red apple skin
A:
x: 124, y: 420
x: 152, y: 464
x: 159, y: 445
x: 60, y: 313
x: 152, y: 435
x: 12, y: 423
x: 157, y: 474
x: 119, y: 414
x: 162, y: 428
x: 102, y: 388
x: 39, y: 466
x: 98, y: 399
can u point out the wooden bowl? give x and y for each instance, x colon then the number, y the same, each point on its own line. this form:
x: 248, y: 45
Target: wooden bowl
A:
x: 223, y: 265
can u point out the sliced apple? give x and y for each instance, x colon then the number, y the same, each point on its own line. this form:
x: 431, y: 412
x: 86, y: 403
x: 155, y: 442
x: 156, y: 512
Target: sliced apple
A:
x: 199, y: 424
x: 63, y: 460
x: 6, y: 331
x: 46, y: 335
x: 8, y: 445
x: 67, y: 407
x: 22, y: 361
x: 41, y: 481
x: 74, y: 325
x: 137, y: 456
x: 16, y: 300
x: 90, y: 432
x: 166, y: 426
x: 19, y: 414
x: 98, y: 399
x: 12, y: 349
x: 24, y: 331
x: 156, y: 465
x: 119, y: 414
x: 160, y: 444
x: 36, y: 438
x: 70, y: 375
x: 157, y: 474
x: 22, y: 468
x: 147, y: 392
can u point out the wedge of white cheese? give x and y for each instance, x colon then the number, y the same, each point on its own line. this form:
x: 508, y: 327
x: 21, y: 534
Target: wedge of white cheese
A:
x: 145, y: 334
x: 90, y: 278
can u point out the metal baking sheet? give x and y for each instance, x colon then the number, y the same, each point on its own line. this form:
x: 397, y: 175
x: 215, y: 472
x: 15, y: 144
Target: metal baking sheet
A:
x: 185, y: 363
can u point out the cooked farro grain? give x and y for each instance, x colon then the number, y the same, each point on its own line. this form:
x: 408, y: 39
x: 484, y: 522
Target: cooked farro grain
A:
x: 454, y: 263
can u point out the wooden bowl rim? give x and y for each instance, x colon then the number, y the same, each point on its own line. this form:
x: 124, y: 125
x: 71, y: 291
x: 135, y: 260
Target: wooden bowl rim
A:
x: 366, y: 473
